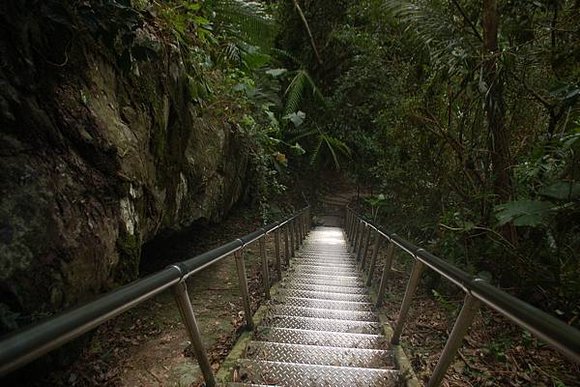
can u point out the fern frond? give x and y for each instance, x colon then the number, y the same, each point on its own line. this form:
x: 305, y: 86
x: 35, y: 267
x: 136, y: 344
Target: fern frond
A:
x: 434, y: 28
x: 295, y: 91
x: 303, y: 134
x: 316, y: 151
x: 315, y: 90
x: 247, y: 20
x: 285, y: 54
x: 233, y: 53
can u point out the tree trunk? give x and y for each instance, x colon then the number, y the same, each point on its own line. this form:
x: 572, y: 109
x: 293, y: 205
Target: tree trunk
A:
x: 495, y: 110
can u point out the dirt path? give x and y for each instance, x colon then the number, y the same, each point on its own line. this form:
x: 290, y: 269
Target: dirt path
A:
x: 148, y: 346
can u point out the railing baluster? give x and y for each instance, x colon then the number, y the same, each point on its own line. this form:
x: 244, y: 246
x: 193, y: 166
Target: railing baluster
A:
x: 241, y: 267
x: 188, y: 316
x: 277, y: 253
x: 296, y: 234
x: 359, y: 249
x: 373, y: 262
x: 265, y: 267
x: 407, y: 299
x: 363, y: 260
x: 462, y: 324
x: 292, y: 237
x: 356, y: 225
x: 386, y: 271
x: 287, y: 244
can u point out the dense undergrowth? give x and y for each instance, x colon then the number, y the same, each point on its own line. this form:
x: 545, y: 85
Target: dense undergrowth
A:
x: 464, y: 119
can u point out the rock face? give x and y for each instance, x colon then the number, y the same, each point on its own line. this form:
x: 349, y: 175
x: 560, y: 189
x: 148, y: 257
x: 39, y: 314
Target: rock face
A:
x: 96, y: 159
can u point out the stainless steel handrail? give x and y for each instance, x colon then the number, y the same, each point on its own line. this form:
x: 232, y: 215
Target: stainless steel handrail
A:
x: 23, y: 346
x: 563, y: 337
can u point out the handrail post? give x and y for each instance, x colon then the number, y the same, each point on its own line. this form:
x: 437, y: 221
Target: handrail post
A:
x: 241, y: 267
x: 265, y: 268
x: 292, y: 242
x: 366, y: 249
x: 386, y: 271
x: 373, y: 262
x: 407, y: 299
x: 357, y: 235
x: 359, y: 250
x: 347, y: 223
x: 277, y: 253
x: 354, y: 234
x: 188, y: 316
x: 296, y: 234
x: 287, y: 244
x: 462, y: 324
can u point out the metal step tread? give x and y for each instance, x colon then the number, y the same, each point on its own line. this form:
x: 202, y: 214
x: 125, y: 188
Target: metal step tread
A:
x: 322, y: 304
x: 337, y: 314
x: 322, y: 288
x: 324, y: 295
x: 310, y: 354
x: 325, y: 279
x: 321, y: 324
x: 324, y: 264
x: 323, y: 271
x: 299, y: 375
x: 321, y: 338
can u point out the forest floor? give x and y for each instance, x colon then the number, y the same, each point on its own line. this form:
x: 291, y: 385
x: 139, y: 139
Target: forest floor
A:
x: 495, y: 351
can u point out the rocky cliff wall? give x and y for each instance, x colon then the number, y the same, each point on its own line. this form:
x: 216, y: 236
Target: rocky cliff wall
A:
x: 96, y: 158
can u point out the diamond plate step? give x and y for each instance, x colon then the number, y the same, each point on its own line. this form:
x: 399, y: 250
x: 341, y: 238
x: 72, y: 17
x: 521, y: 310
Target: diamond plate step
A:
x: 250, y: 385
x: 313, y: 251
x: 324, y: 295
x: 322, y: 288
x: 323, y: 313
x: 326, y: 279
x: 322, y: 304
x: 318, y: 271
x: 324, y: 270
x: 325, y: 339
x: 305, y: 375
x: 310, y: 354
x: 322, y: 324
x: 325, y: 263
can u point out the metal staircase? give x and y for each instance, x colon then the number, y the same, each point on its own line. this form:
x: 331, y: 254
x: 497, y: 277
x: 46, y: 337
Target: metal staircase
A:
x: 320, y: 328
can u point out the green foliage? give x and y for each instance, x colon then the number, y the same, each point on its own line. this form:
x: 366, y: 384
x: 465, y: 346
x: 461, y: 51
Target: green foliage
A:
x: 524, y: 212
x: 408, y: 95
x: 296, y: 90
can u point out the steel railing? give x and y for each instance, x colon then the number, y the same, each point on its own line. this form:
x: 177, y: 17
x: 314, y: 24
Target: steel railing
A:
x: 360, y: 231
x: 23, y: 346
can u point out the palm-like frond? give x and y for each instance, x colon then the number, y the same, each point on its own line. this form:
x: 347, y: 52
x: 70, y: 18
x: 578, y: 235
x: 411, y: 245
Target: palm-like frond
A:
x: 233, y: 53
x: 336, y: 147
x: 296, y: 91
x: 325, y: 147
x: 449, y: 45
x: 245, y: 19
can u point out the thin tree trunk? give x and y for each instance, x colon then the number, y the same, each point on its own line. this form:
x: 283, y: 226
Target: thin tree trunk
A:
x: 495, y: 110
x: 307, y: 26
